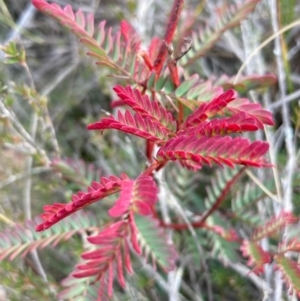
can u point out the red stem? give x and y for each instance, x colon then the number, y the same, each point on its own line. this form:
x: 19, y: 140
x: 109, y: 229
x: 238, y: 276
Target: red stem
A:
x: 219, y: 200
x: 154, y: 166
x: 171, y: 27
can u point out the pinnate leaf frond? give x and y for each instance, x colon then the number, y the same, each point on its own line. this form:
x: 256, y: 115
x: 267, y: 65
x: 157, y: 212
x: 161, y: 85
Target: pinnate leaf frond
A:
x: 137, y: 125
x: 112, y: 250
x: 140, y: 194
x: 241, y: 122
x: 228, y: 18
x: 245, y: 199
x: 21, y: 239
x: 274, y: 225
x: 257, y: 256
x: 143, y: 105
x: 76, y: 171
x: 221, y: 180
x: 253, y: 109
x: 118, y: 51
x: 113, y: 242
x: 246, y: 83
x: 154, y: 243
x: 131, y: 37
x: 78, y: 289
x: 190, y: 91
x: 221, y: 150
x: 97, y: 191
x: 112, y: 253
x: 209, y: 109
x: 290, y: 271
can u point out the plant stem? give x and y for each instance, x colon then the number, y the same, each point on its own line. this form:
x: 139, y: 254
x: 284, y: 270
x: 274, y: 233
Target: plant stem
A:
x: 219, y: 200
x: 170, y: 31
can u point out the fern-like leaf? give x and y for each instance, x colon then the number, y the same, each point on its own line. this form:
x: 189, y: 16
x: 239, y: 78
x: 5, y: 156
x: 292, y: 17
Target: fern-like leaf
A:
x: 221, y: 150
x: 144, y: 127
x: 143, y: 105
x: 257, y: 256
x: 210, y: 109
x: 221, y: 238
x: 76, y: 171
x: 78, y: 289
x: 274, y: 225
x: 154, y: 242
x: 246, y: 199
x: 246, y: 83
x: 189, y: 92
x: 241, y: 122
x: 131, y: 37
x: 116, y: 52
x: 113, y: 242
x: 21, y: 239
x: 253, y: 109
x: 97, y: 191
x: 207, y: 38
x: 140, y: 195
x: 290, y: 246
x: 290, y: 271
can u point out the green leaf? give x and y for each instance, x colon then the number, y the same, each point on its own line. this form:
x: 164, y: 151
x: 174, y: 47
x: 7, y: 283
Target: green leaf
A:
x: 228, y: 17
x: 186, y: 85
x: 154, y: 242
x: 168, y: 86
x: 21, y: 239
x: 291, y: 272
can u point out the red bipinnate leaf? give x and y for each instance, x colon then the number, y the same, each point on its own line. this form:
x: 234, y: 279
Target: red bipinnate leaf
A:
x: 241, y: 122
x: 139, y: 195
x: 112, y: 251
x: 209, y: 109
x: 290, y: 272
x: 274, y: 225
x: 97, y: 191
x: 257, y: 256
x: 253, y: 109
x: 221, y: 150
x: 144, y: 127
x: 131, y: 37
x: 147, y: 108
x: 66, y: 16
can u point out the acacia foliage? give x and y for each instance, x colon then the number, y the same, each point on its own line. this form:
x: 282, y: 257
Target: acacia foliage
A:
x: 193, y: 138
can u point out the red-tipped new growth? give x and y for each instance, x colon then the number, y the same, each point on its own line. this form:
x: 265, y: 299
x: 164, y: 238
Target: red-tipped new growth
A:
x: 290, y: 270
x: 220, y: 150
x: 97, y: 191
x: 113, y: 243
x: 257, y: 256
x: 274, y: 225
x: 170, y: 31
x: 193, y: 140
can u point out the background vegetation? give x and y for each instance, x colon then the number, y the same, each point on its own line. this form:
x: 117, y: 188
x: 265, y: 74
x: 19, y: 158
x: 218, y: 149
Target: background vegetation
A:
x: 46, y: 153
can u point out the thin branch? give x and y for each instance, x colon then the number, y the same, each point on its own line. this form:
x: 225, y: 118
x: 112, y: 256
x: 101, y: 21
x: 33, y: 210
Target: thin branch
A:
x: 247, y: 273
x: 262, y: 186
x: 13, y: 178
x: 262, y: 45
x: 28, y: 181
x: 24, y: 19
x: 191, y: 229
x: 287, y: 203
x: 284, y: 101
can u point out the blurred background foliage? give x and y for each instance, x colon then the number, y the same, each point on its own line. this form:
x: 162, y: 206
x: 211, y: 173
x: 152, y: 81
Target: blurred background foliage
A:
x: 69, y: 92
